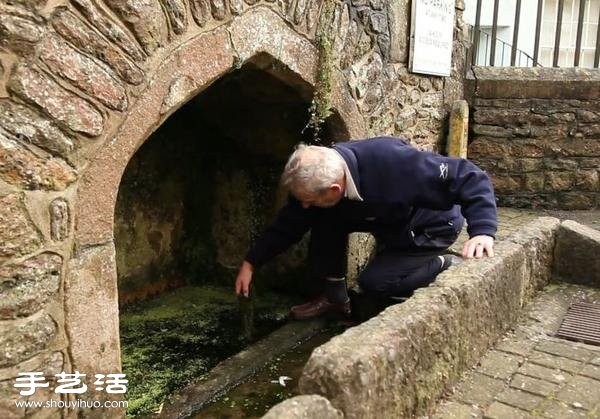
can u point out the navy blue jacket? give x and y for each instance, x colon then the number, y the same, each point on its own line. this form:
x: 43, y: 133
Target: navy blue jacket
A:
x: 422, y: 193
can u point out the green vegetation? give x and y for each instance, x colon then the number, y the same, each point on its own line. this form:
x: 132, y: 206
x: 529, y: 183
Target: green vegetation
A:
x: 320, y: 108
x: 168, y: 341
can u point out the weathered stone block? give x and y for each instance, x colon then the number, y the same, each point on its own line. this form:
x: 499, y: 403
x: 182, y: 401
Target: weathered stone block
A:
x: 492, y: 131
x: 312, y: 406
x: 26, y: 340
x: 83, y: 37
x: 200, y: 11
x: 575, y: 254
x: 579, y: 148
x: 91, y: 310
x: 587, y: 116
x: 18, y: 235
x: 82, y: 72
x: 589, y: 163
x: 530, y: 165
x: 28, y: 285
x: 179, y: 90
x: 533, y: 182
x: 506, y: 184
x: 146, y: 20
x: 26, y: 124
x: 506, y: 117
x: 60, y: 219
x: 47, y: 363
x: 591, y: 130
x: 399, y: 20
x: 218, y: 9
x: 177, y: 12
x: 22, y: 168
x: 587, y: 180
x: 577, y: 200
x: 75, y: 112
x: 109, y: 28
x: 535, y: 82
x: 20, y: 29
x: 488, y: 147
x: 560, y: 164
x: 559, y: 181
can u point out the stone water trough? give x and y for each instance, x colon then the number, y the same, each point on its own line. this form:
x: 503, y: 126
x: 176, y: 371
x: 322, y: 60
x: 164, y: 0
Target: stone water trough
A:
x: 398, y: 363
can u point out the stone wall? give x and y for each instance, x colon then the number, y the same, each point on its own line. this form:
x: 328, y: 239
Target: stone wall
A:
x: 83, y: 83
x: 537, y: 132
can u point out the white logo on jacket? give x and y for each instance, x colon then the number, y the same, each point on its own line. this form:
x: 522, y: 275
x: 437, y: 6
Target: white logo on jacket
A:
x: 443, y: 170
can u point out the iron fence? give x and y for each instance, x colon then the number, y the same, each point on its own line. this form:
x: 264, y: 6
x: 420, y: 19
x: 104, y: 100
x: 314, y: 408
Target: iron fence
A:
x: 487, y: 48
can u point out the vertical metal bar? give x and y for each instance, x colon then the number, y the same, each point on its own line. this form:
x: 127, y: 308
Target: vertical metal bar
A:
x: 561, y: 6
x: 476, y: 33
x: 494, y: 33
x: 487, y: 38
x: 513, y: 53
x: 502, y: 61
x: 538, y: 30
x: 597, y: 53
x: 580, y: 19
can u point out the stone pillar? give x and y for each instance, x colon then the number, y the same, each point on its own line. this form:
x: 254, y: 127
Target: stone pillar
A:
x: 456, y: 146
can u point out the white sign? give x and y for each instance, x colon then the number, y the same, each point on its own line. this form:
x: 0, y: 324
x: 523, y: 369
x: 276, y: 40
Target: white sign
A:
x: 431, y: 33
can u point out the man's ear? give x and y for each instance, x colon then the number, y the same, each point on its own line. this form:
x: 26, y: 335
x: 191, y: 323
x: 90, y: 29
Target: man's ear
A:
x: 336, y: 188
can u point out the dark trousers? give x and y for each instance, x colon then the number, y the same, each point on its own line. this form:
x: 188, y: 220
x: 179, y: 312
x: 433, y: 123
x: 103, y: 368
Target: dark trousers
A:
x: 392, y: 272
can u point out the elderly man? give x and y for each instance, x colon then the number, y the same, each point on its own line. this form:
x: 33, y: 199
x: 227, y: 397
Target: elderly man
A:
x: 412, y: 201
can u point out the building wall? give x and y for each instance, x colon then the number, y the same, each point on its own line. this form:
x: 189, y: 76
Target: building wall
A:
x: 537, y: 133
x: 84, y: 83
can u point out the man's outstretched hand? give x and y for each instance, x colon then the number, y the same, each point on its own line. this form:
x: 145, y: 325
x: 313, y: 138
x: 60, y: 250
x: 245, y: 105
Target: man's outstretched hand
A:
x: 476, y: 246
x: 244, y: 277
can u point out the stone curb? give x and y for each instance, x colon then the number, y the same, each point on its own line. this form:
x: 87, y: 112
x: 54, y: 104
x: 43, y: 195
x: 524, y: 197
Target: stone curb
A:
x: 398, y: 363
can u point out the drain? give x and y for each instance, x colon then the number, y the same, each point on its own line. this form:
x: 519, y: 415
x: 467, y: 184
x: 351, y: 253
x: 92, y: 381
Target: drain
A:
x: 581, y: 323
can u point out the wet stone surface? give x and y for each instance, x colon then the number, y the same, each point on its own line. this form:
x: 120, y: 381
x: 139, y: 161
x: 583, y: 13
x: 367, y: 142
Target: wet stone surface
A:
x: 530, y: 373
x: 254, y: 397
x: 181, y: 335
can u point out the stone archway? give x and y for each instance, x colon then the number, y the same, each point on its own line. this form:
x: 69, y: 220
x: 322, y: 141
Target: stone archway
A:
x: 91, y: 281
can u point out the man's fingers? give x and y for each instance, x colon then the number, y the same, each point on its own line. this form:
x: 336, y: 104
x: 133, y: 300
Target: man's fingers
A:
x: 469, y: 249
x: 479, y: 250
x: 489, y: 248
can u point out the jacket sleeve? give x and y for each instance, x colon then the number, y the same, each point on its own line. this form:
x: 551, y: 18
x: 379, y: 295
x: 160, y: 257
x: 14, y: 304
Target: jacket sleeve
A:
x: 289, y: 226
x: 438, y: 182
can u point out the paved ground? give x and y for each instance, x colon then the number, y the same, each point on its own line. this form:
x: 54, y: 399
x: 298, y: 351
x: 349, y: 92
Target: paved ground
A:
x: 531, y: 373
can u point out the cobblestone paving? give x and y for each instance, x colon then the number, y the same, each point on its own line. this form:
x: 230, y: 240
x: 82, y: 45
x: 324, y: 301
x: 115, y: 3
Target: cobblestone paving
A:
x: 530, y: 373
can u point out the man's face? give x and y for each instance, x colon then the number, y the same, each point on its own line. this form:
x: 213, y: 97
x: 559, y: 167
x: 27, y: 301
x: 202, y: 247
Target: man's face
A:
x: 329, y: 198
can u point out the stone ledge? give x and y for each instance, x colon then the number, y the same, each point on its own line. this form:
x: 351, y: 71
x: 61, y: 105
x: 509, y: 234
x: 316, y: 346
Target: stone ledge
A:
x: 535, y: 82
x: 309, y: 406
x: 400, y: 361
x: 576, y: 254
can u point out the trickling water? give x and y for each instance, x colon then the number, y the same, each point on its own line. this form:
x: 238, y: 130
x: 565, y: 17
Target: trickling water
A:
x: 262, y: 391
x: 181, y: 335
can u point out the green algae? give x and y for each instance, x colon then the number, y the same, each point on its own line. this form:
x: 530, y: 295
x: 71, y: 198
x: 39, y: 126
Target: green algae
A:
x: 169, y: 341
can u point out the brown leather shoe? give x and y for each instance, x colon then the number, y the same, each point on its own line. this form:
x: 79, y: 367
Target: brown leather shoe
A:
x: 318, y: 307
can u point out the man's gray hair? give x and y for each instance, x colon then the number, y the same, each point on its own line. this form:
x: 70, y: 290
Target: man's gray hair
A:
x: 312, y: 169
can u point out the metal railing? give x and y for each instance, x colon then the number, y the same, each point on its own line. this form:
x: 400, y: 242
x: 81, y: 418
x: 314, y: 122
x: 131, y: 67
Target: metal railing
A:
x: 493, y: 43
x: 522, y: 59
